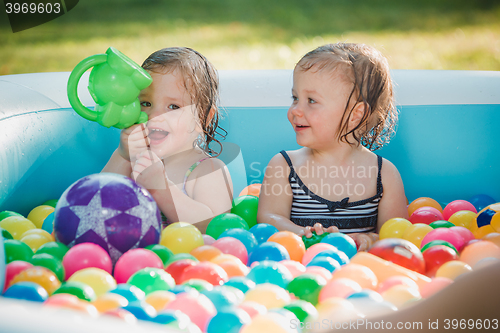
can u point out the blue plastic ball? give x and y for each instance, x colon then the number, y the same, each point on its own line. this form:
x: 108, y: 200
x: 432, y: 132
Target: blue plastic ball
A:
x: 182, y: 288
x: 221, y: 297
x: 228, y: 321
x: 240, y: 282
x: 342, y: 242
x: 141, y: 310
x: 270, y: 272
x: 48, y: 223
x: 339, y: 256
x: 481, y: 201
x: 130, y: 292
x: 324, y: 261
x: 25, y: 290
x: 268, y: 251
x: 262, y: 231
x: 246, y: 237
x: 172, y: 316
x: 366, y: 294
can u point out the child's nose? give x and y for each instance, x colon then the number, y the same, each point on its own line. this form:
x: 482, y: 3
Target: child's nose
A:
x: 296, y: 110
x: 154, y: 112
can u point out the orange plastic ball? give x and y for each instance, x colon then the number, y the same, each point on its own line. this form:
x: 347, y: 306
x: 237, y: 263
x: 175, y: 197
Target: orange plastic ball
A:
x: 109, y: 301
x: 292, y: 243
x: 358, y: 273
x: 476, y: 251
x: 452, y: 269
x: 252, y: 189
x: 423, y: 202
x: 39, y: 275
x: 205, y: 252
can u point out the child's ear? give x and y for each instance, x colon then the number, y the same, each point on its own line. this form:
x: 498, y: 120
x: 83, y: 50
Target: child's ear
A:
x: 357, y: 114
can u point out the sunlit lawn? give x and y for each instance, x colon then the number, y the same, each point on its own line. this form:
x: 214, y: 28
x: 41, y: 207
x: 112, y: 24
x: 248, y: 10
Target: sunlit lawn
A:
x: 245, y: 34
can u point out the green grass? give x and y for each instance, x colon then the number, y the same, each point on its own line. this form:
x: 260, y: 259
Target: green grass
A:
x: 262, y: 34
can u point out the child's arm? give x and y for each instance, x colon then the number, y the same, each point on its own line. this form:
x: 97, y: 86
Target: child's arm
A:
x: 275, y: 199
x: 393, y: 202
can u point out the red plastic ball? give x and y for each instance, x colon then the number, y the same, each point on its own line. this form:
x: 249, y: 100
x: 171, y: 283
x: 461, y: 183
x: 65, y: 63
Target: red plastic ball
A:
x: 456, y: 206
x: 207, y: 271
x: 437, y: 255
x: 177, y: 268
x: 401, y: 252
x: 426, y: 215
x: 86, y: 255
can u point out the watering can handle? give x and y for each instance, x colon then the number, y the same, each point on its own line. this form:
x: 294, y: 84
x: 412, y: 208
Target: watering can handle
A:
x: 73, y: 80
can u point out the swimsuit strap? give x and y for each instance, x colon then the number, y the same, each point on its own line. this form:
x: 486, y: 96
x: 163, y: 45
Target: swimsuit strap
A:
x: 287, y: 158
x: 188, y: 172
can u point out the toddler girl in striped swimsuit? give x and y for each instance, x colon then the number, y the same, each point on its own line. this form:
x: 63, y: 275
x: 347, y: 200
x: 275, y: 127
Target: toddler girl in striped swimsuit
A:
x: 171, y: 155
x: 342, y: 110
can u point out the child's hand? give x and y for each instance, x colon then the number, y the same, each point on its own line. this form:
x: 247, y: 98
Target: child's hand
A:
x: 319, y: 229
x: 149, y: 171
x: 364, y: 240
x: 133, y: 140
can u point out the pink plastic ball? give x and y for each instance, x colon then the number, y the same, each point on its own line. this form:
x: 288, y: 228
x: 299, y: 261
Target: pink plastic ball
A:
x: 395, y: 280
x: 253, y: 308
x: 205, y: 270
x: 456, y: 206
x: 133, y: 261
x: 434, y: 286
x: 207, y: 239
x: 312, y: 251
x: 231, y: 245
x: 198, y: 307
x: 295, y: 267
x: 466, y: 234
x: 426, y: 215
x: 342, y: 288
x: 86, y: 255
x: 13, y: 268
x: 445, y: 234
x: 320, y: 271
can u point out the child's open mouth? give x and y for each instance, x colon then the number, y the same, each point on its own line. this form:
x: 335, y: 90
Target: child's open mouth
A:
x: 156, y: 134
x: 300, y: 127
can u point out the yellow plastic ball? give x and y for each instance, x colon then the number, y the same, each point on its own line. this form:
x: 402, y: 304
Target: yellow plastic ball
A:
x: 39, y: 214
x: 423, y: 202
x: 16, y: 225
x: 35, y: 241
x: 462, y: 218
x: 39, y: 232
x: 269, y: 295
x: 181, y: 237
x: 96, y: 278
x: 394, y: 228
x: 489, y: 219
x: 109, y: 301
x: 416, y: 232
x: 452, y: 269
x: 400, y: 294
x: 158, y: 299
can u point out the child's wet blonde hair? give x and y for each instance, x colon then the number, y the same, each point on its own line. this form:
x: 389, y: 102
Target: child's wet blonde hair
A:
x: 201, y: 81
x: 368, y: 70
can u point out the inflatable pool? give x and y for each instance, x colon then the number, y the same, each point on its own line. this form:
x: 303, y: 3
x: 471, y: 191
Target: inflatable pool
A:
x: 444, y: 147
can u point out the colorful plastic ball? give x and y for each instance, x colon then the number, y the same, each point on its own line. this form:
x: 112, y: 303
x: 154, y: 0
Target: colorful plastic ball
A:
x: 233, y: 268
x: 436, y: 284
x: 342, y: 242
x: 130, y: 292
x: 223, y: 222
x: 315, y: 249
x: 181, y: 237
x: 206, y: 252
x: 487, y: 221
x: 481, y: 201
x: 207, y: 271
x: 51, y: 202
x: 161, y: 251
x: 445, y: 234
x: 426, y: 215
x: 462, y: 218
x: 241, y: 282
x: 453, y: 269
x: 99, y: 280
x: 173, y: 318
x: 438, y: 242
x: 159, y: 299
x: 295, y: 268
x: 423, y: 202
x: 180, y: 256
x: 416, y: 232
x: 302, y: 309
x: 320, y: 271
x: 326, y: 262
x: 401, y: 252
x: 183, y: 288
x: 109, y: 210
x: 307, y: 287
x: 228, y: 321
x: 269, y: 295
x: 109, y: 301
x: 16, y: 225
x: 252, y: 189
x: 141, y: 310
x: 436, y: 256
x: 8, y: 213
x: 334, y: 310
x: 394, y: 228
x: 207, y: 239
x: 35, y: 240
x: 16, y: 250
x: 177, y: 268
x: 38, y: 214
x: 338, y: 256
x: 400, y: 294
x: 233, y: 246
x: 69, y: 301
x: 86, y: 255
x: 151, y: 279
x: 341, y: 287
x: 359, y: 273
x: 268, y: 251
x: 494, y: 237
x: 5, y: 234
x: 221, y: 297
x: 56, y: 249
x: 457, y: 205
x: 252, y: 308
x: 292, y: 243
x: 262, y: 232
x: 270, y: 272
x: 133, y: 261
x: 246, y: 206
x: 396, y: 280
x: 50, y: 262
x: 244, y: 236
x: 78, y: 289
x: 12, y: 269
x: 441, y: 224
x: 29, y: 291
x: 474, y: 252
x: 465, y: 233
x: 198, y: 308
x: 270, y: 322
x: 198, y: 284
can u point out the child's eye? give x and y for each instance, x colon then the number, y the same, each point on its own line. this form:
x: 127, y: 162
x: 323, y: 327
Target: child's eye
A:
x: 294, y: 98
x: 311, y: 101
x: 173, y: 107
x: 146, y: 104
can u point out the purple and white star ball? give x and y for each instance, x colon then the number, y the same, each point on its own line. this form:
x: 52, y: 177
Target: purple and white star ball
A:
x: 109, y: 210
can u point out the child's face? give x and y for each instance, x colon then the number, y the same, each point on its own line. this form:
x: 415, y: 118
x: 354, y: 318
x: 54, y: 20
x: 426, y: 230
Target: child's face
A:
x: 319, y: 101
x: 172, y: 126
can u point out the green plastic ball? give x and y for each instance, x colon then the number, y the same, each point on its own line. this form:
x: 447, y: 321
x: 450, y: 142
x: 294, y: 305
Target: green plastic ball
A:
x: 246, y: 206
x: 50, y: 262
x: 55, y: 249
x: 151, y: 279
x: 223, y: 222
x: 17, y: 250
x: 78, y: 289
x: 307, y: 287
x: 162, y: 251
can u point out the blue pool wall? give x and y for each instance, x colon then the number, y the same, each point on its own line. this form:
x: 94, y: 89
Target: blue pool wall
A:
x: 445, y: 146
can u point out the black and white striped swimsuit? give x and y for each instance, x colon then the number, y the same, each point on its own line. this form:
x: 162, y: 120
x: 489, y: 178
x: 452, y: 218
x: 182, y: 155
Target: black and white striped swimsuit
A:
x: 309, y: 208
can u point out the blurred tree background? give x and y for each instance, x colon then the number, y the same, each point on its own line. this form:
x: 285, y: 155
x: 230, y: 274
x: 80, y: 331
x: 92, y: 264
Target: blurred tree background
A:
x: 262, y: 34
